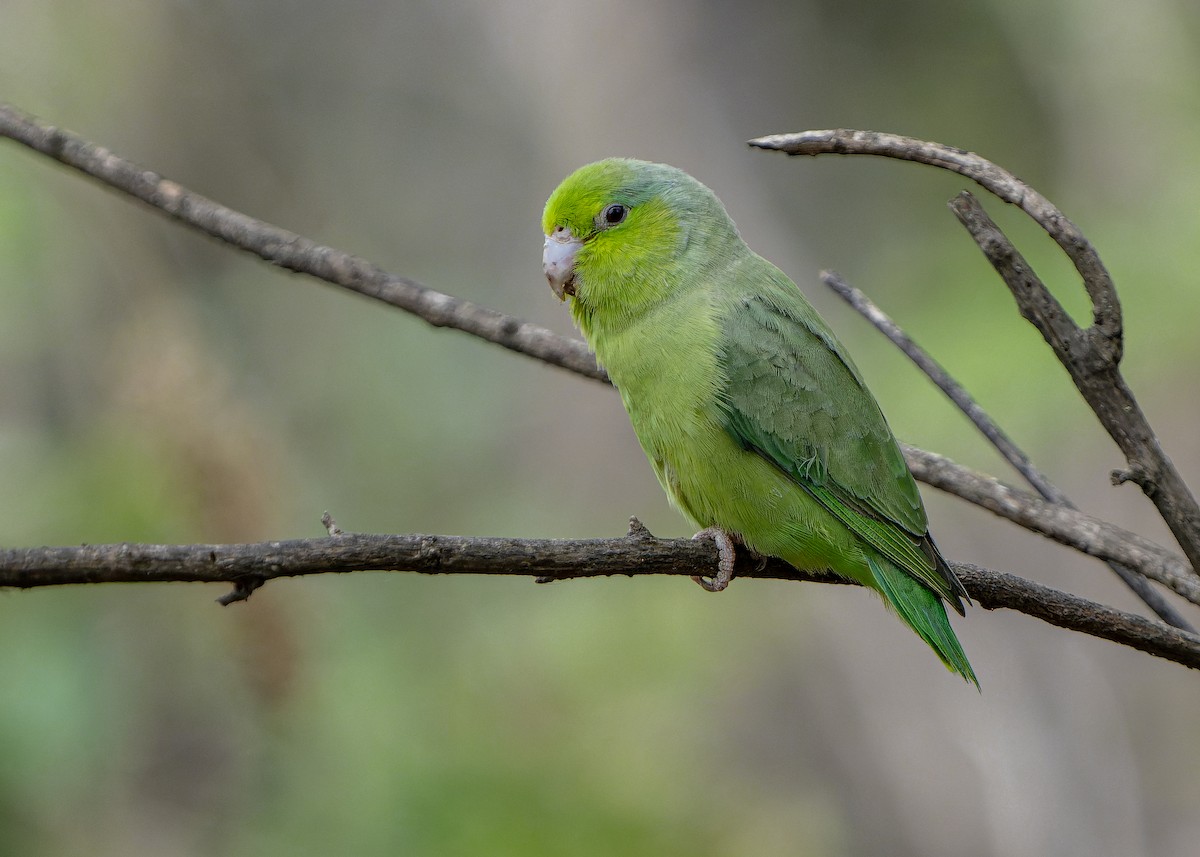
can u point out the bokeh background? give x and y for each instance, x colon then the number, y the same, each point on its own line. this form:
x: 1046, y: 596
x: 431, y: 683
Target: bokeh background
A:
x: 156, y: 386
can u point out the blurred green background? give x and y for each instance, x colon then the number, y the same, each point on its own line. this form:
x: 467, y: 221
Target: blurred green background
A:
x: 158, y: 386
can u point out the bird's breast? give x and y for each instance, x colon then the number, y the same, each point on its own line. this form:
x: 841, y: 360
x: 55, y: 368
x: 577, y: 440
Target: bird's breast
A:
x: 666, y: 367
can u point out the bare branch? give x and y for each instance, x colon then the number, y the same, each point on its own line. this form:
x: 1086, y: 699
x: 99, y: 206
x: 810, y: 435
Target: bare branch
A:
x: 545, y: 559
x: 1002, y: 183
x: 1078, y: 614
x: 1095, y: 374
x: 1064, y: 525
x: 294, y: 252
x: 995, y: 435
x: 1091, y: 356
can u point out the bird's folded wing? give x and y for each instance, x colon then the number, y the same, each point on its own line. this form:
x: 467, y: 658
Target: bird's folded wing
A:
x: 794, y: 397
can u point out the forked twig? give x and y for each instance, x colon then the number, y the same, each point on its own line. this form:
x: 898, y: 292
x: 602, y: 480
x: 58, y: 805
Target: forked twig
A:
x: 1013, y: 454
x: 1090, y: 355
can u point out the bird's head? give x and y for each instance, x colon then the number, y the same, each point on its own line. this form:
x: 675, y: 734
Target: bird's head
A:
x: 617, y: 230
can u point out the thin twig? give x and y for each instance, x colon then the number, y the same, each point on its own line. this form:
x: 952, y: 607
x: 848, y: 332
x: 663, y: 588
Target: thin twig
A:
x: 1013, y: 454
x: 294, y: 252
x: 545, y: 559
x: 940, y: 377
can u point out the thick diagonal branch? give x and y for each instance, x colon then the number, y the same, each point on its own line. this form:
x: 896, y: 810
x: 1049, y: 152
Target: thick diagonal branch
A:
x: 1098, y: 378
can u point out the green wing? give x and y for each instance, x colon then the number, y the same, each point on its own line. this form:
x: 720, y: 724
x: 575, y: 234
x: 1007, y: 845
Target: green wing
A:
x: 795, y: 398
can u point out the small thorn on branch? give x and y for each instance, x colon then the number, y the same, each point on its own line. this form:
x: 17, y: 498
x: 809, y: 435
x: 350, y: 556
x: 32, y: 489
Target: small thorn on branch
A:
x: 242, y: 589
x: 1136, y: 475
x: 331, y: 525
x: 637, y: 530
x: 637, y: 533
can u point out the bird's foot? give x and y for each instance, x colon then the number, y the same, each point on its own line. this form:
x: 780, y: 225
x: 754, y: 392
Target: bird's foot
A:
x: 726, y: 553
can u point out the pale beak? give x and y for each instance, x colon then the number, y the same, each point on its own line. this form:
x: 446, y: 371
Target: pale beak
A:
x: 558, y: 261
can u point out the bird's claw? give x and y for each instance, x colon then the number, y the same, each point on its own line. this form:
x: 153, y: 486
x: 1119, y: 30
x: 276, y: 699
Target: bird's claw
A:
x: 726, y: 553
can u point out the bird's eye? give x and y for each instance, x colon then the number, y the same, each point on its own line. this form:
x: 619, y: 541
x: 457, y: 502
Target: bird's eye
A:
x: 613, y: 214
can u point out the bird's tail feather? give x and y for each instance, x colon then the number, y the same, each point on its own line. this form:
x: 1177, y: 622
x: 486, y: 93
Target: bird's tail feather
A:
x: 924, y: 613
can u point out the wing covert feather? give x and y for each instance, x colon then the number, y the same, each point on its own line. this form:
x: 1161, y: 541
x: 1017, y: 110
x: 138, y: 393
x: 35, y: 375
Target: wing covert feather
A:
x: 794, y: 396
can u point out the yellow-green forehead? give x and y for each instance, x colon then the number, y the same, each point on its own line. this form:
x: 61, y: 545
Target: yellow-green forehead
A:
x: 585, y: 192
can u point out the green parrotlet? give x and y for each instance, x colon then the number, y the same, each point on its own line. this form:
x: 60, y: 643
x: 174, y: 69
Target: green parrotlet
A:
x: 754, y: 417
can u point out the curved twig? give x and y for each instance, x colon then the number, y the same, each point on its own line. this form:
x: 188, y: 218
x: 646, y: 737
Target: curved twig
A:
x: 1106, y: 307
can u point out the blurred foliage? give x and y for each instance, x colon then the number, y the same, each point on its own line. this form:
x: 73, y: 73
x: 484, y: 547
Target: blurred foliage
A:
x: 159, y: 387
